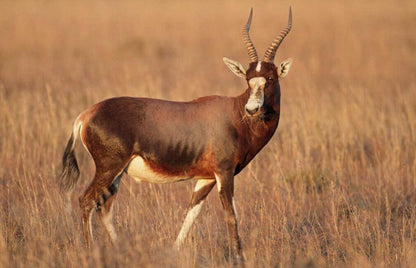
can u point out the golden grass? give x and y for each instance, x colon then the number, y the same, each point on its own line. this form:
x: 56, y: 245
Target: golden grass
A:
x: 334, y: 187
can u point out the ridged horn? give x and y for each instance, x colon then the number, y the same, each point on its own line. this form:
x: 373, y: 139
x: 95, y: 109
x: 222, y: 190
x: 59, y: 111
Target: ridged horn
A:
x: 271, y: 51
x: 246, y: 37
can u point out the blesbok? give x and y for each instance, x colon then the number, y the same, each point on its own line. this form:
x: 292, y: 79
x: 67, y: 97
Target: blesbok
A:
x: 210, y: 139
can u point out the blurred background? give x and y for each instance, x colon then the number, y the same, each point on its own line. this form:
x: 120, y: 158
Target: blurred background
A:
x: 334, y: 187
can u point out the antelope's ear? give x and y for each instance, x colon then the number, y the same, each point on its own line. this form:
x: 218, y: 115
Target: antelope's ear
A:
x: 235, y: 67
x: 284, y: 67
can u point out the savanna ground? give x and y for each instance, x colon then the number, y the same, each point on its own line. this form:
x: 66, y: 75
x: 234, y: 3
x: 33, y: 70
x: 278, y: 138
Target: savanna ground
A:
x: 336, y: 186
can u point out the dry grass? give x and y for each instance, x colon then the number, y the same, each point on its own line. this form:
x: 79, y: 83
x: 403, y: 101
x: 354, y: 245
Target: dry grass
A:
x: 334, y: 187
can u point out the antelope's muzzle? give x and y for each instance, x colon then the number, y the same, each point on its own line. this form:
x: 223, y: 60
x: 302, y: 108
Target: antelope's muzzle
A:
x: 256, y: 99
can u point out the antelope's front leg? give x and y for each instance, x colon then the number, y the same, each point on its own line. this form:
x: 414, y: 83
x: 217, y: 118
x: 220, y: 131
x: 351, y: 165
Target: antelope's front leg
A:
x: 225, y: 184
x: 202, y: 189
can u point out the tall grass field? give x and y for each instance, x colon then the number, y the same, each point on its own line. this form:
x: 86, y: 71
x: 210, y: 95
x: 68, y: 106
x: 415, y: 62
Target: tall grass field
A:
x: 335, y: 187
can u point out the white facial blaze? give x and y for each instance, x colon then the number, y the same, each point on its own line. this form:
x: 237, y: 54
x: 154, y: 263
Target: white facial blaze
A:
x: 256, y: 99
x: 258, y: 67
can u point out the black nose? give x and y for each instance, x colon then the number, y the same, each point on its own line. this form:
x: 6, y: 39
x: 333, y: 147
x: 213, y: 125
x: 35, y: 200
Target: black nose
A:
x: 252, y: 111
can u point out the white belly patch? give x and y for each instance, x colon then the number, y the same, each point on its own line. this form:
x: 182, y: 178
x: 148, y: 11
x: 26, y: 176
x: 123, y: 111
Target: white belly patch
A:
x: 141, y: 171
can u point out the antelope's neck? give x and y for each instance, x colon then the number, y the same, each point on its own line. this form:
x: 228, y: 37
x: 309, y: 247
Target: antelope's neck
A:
x: 254, y: 132
x: 257, y: 124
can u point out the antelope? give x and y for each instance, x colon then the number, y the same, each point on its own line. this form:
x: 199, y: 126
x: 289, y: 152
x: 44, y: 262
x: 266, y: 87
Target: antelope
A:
x: 210, y: 139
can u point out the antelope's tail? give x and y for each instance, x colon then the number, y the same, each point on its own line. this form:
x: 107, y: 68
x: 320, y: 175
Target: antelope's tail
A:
x: 70, y: 171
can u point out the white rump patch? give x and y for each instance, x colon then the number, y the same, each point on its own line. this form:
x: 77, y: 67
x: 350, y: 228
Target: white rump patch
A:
x: 141, y: 171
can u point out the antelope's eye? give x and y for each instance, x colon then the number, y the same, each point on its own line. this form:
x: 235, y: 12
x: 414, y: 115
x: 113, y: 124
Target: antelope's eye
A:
x: 269, y: 78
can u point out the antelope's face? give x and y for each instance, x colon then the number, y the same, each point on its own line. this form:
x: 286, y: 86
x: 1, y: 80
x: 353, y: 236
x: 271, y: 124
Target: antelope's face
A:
x: 262, y: 79
x: 262, y: 76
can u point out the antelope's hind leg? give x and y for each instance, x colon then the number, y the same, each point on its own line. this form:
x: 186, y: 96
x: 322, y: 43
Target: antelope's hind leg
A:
x: 99, y: 195
x: 105, y: 210
x: 202, y: 189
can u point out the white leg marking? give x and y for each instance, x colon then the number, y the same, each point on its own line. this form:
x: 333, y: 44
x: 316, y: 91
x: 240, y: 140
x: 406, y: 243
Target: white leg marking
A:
x: 235, y: 210
x: 190, y: 218
x: 108, y: 223
x: 90, y: 224
x: 217, y: 178
x: 201, y: 183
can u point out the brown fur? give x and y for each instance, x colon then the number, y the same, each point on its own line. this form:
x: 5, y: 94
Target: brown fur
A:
x: 210, y: 137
